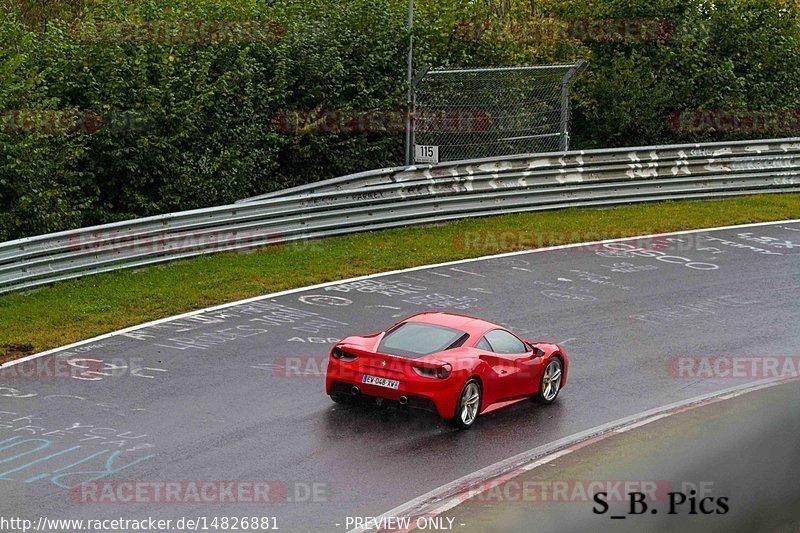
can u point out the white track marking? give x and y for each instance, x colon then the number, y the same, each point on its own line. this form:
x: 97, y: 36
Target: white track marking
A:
x: 379, y: 274
x: 483, y: 487
x: 508, y: 464
x: 642, y: 422
x: 467, y: 272
x: 462, y: 489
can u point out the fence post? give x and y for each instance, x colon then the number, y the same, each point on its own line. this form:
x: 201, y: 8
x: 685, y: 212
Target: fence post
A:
x: 566, y: 82
x: 409, y: 73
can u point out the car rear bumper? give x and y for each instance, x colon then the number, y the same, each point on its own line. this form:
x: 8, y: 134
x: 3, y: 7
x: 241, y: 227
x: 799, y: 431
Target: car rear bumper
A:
x: 411, y: 401
x: 421, y: 393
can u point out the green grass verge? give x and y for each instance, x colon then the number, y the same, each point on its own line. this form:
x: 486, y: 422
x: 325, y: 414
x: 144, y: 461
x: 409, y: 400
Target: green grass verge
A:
x: 69, y: 311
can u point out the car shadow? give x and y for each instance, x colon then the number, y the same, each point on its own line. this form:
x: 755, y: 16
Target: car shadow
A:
x: 390, y: 422
x: 368, y: 440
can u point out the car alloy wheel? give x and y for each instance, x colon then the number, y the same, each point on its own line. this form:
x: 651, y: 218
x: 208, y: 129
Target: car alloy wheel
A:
x: 551, y: 381
x: 469, y: 405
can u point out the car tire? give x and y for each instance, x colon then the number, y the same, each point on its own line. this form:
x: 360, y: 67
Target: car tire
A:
x: 468, y: 405
x: 550, y: 382
x: 338, y: 399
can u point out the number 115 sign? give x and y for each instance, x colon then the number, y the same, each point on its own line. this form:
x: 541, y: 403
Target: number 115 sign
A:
x: 426, y: 154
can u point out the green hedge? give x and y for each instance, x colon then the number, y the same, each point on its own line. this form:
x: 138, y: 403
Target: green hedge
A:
x: 165, y: 125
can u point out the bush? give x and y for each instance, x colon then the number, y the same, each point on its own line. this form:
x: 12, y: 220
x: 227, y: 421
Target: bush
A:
x: 129, y: 125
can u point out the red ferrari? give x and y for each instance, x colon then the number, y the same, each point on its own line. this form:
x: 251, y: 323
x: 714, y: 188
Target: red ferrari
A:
x: 455, y: 365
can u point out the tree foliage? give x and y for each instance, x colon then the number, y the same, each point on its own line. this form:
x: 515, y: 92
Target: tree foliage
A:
x: 161, y: 123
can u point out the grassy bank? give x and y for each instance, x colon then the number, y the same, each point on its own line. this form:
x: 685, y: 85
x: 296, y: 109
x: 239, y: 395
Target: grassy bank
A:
x: 73, y: 310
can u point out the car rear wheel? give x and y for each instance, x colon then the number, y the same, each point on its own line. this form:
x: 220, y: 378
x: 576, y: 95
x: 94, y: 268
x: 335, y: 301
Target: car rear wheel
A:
x: 468, y: 406
x: 550, y: 384
x: 338, y: 399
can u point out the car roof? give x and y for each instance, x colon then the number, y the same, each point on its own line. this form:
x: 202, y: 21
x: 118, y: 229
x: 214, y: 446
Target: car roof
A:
x: 467, y: 324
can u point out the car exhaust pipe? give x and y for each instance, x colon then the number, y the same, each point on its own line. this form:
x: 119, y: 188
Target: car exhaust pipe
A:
x: 403, y: 400
x: 355, y: 391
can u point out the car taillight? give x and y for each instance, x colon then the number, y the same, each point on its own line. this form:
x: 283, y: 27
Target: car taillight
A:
x: 341, y: 355
x: 441, y: 372
x: 425, y: 372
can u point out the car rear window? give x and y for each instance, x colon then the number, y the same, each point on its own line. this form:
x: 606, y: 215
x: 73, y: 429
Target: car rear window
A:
x: 415, y: 339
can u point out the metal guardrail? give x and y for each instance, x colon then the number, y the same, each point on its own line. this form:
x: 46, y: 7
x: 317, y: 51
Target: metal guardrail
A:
x: 402, y: 196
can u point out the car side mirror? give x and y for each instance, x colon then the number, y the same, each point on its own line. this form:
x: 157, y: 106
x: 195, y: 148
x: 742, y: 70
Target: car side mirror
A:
x: 536, y: 351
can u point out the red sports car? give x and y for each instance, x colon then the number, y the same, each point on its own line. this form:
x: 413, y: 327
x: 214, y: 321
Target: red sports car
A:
x: 455, y: 365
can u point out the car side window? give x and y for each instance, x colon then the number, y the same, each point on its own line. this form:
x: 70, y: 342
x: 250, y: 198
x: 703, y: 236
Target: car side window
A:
x: 504, y: 342
x: 483, y: 344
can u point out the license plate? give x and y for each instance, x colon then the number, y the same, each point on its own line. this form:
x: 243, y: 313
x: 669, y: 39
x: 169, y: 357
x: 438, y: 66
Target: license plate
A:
x: 381, y: 382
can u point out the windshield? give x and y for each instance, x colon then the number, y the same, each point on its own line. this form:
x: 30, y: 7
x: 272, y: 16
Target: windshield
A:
x: 415, y: 339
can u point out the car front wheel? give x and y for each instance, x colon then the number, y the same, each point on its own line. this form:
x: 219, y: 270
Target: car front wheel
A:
x: 550, y: 384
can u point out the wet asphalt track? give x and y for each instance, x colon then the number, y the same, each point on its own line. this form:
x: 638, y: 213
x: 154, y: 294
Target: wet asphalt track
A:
x: 237, y: 393
x: 724, y: 450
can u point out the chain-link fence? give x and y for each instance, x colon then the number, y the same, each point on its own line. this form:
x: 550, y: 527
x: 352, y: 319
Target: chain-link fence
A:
x: 488, y: 112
